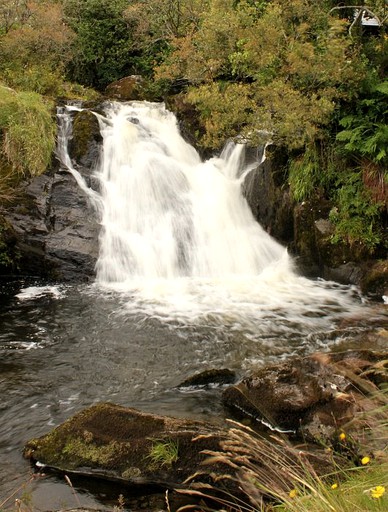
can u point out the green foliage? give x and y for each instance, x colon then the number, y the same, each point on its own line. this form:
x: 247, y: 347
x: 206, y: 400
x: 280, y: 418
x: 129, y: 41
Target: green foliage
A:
x: 296, y: 60
x: 366, y: 129
x: 103, y: 45
x: 226, y: 110
x: 164, y: 452
x: 305, y: 175
x: 356, y: 216
x: 27, y: 132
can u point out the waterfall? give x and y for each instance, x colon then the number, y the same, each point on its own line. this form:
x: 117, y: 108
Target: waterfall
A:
x: 167, y: 214
x: 179, y: 240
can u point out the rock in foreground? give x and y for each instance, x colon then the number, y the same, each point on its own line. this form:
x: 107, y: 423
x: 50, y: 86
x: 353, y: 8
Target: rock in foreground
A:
x: 312, y: 398
x: 125, y: 445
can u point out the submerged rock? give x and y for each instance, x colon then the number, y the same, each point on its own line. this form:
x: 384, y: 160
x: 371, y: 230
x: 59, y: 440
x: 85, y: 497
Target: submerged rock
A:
x: 210, y: 378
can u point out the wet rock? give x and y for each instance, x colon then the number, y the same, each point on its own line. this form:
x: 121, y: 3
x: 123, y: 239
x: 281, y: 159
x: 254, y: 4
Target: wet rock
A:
x: 138, y: 449
x: 267, y: 197
x: 375, y: 278
x: 84, y: 146
x: 311, y: 397
x: 209, y: 378
x: 55, y: 229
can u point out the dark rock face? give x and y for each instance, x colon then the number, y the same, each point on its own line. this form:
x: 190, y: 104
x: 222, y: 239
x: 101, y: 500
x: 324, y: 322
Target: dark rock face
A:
x: 269, y: 201
x: 55, y: 229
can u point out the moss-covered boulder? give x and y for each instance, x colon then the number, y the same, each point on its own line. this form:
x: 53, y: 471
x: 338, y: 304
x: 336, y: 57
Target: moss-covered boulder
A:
x: 123, y: 444
x: 85, y: 144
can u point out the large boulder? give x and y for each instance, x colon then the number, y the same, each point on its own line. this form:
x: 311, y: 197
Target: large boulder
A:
x: 312, y: 398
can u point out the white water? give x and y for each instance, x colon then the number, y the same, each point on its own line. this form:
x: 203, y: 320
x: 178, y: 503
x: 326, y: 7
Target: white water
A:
x: 180, y: 241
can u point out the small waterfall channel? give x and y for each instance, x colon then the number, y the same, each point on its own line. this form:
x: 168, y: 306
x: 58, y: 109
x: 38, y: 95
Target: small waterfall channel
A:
x: 187, y: 280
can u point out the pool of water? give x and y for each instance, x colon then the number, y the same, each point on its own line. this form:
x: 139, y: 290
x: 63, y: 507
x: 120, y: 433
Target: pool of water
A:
x: 63, y: 348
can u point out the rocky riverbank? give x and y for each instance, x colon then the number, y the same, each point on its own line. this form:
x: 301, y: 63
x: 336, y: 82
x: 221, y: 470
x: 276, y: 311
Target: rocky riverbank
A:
x: 304, y: 405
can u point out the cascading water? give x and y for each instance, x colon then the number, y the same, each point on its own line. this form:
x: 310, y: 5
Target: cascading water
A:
x: 186, y: 281
x: 167, y: 214
x: 179, y: 238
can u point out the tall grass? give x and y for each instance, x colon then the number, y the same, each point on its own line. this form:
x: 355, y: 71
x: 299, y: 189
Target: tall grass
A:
x: 272, y: 474
x: 27, y: 133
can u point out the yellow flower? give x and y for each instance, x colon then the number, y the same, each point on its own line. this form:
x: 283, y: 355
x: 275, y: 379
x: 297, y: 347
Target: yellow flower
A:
x: 293, y: 493
x: 365, y: 461
x: 334, y: 486
x: 377, y: 491
x: 342, y: 436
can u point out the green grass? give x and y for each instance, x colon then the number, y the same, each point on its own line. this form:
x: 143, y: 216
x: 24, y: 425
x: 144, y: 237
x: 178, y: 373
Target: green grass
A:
x: 358, y: 490
x: 164, y: 452
x: 27, y: 132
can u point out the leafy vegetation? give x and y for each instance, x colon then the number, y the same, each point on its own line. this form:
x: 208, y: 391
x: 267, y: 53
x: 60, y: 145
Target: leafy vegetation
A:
x: 304, y: 72
x: 101, y: 52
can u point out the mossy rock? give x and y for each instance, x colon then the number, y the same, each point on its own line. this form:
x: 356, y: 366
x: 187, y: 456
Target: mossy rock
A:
x: 117, y: 443
x: 375, y: 278
x: 86, y: 137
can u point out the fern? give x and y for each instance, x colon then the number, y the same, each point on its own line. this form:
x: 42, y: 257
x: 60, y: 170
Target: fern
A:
x: 366, y: 131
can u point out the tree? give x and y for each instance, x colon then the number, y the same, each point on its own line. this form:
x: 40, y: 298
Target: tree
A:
x: 12, y: 12
x: 292, y: 60
x: 103, y: 49
x: 35, y: 46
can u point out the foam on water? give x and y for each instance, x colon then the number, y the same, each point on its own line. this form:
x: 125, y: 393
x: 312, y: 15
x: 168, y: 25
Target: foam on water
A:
x: 179, y: 240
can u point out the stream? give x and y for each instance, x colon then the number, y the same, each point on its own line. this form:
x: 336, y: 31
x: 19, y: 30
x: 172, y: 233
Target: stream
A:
x: 186, y: 281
